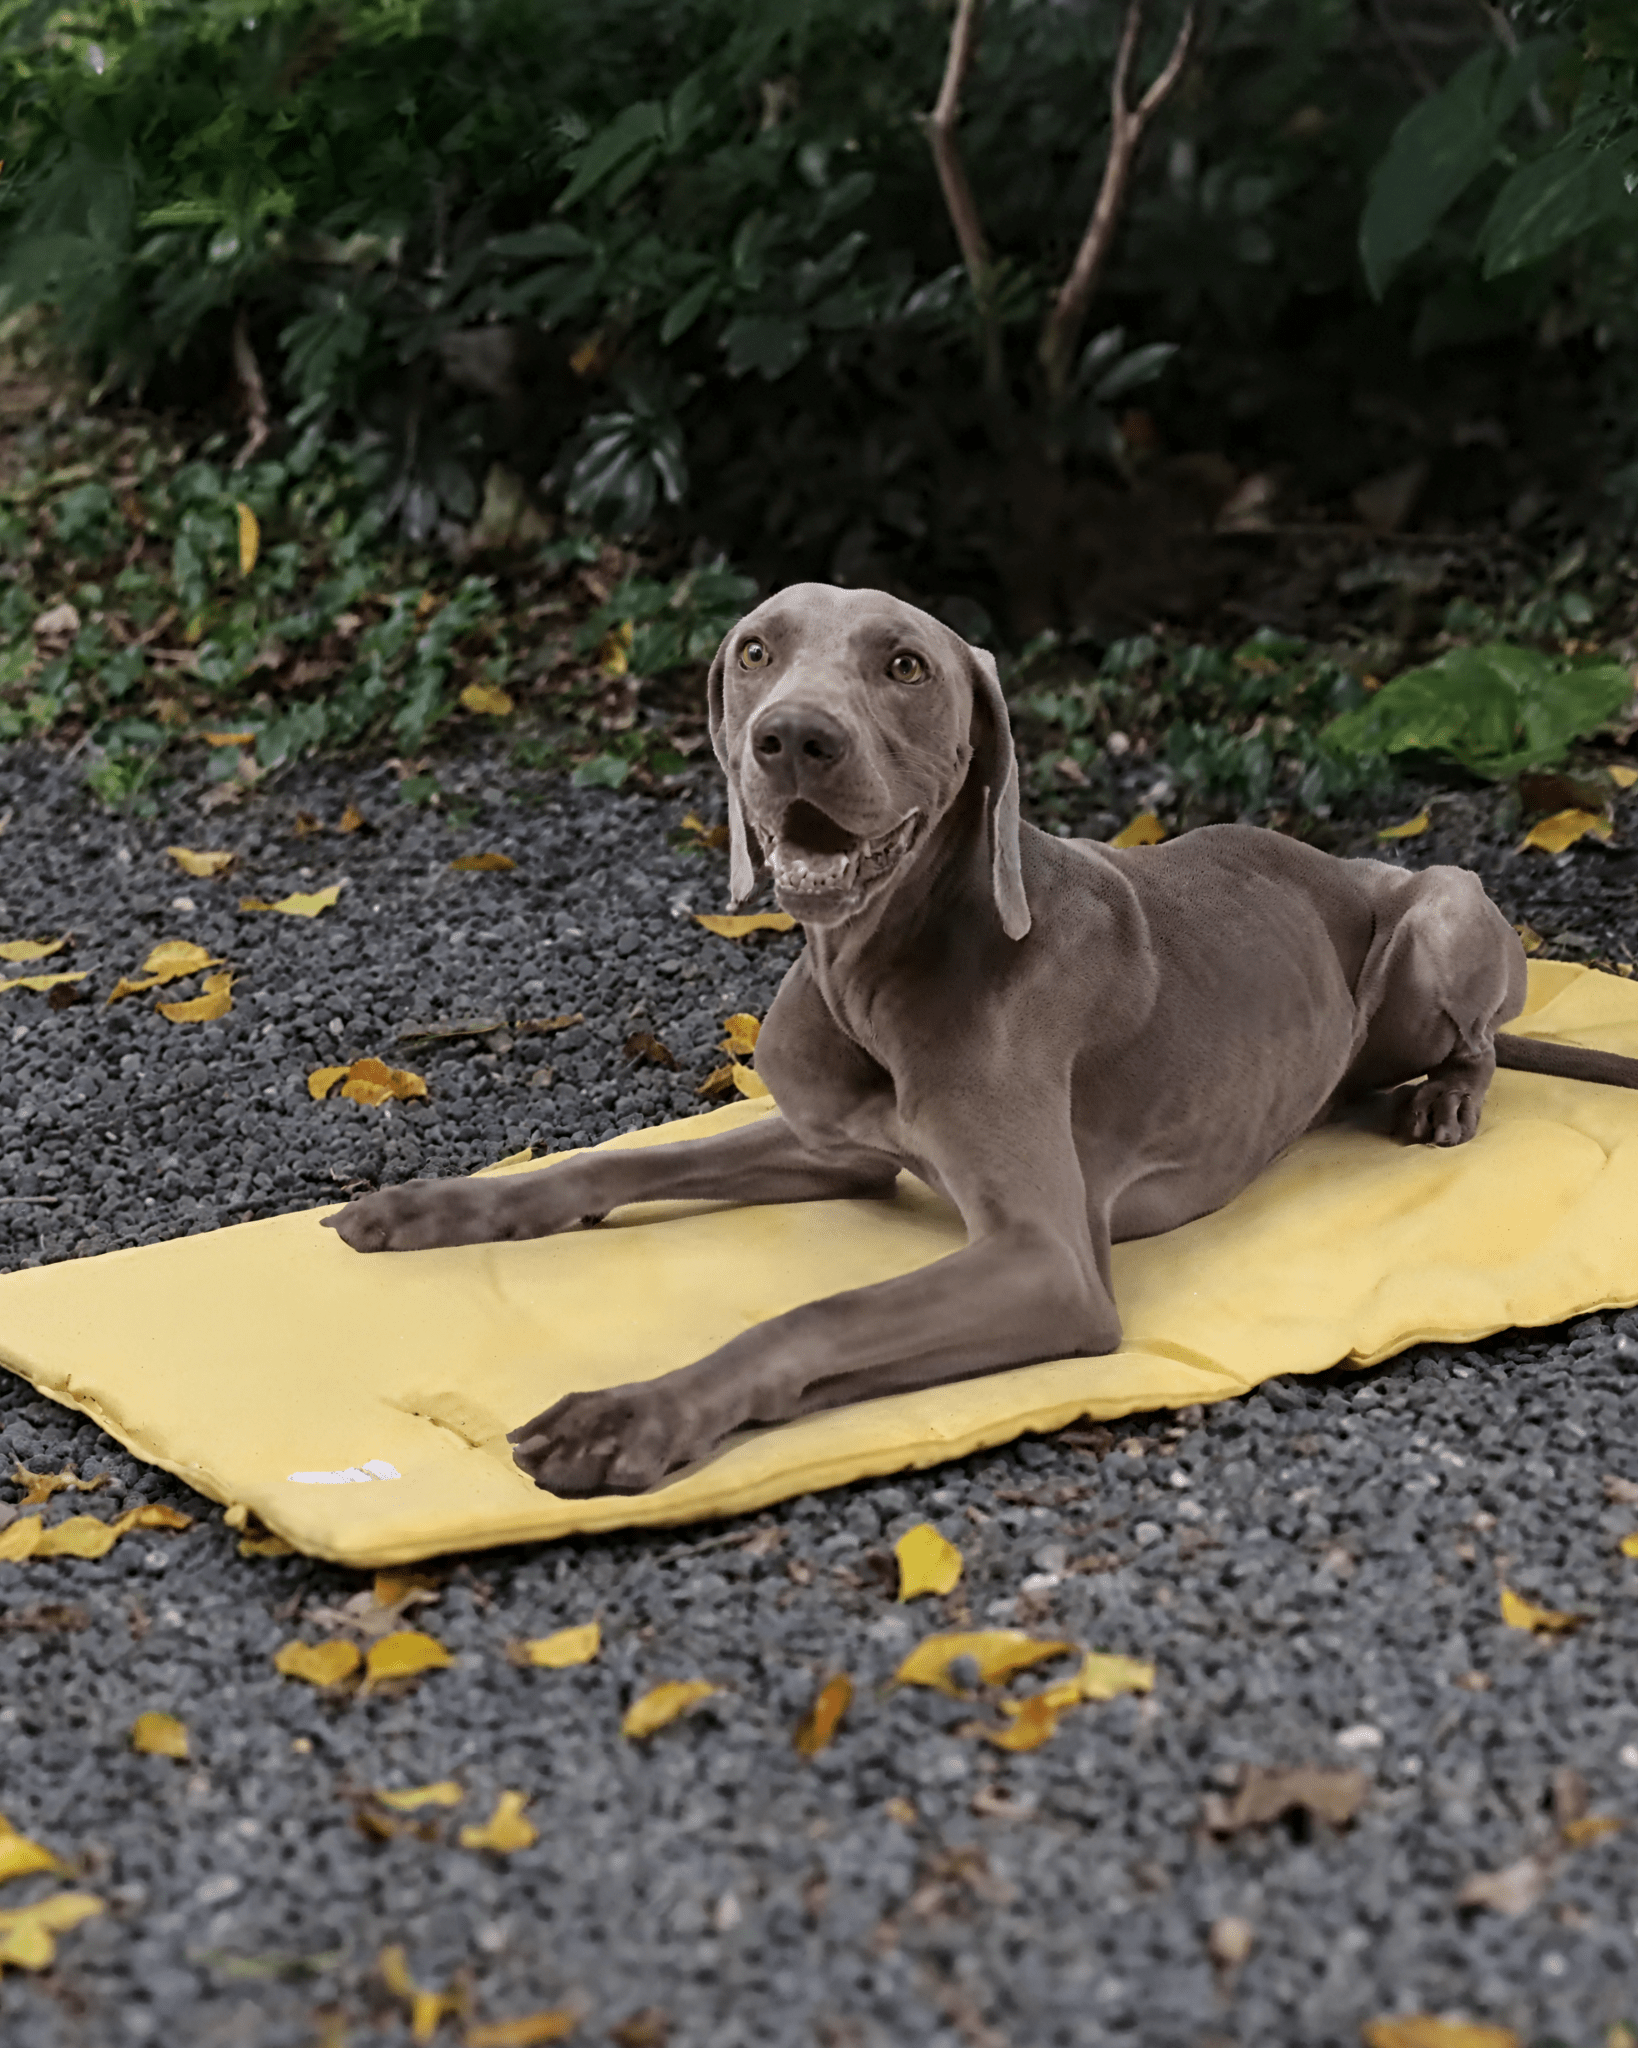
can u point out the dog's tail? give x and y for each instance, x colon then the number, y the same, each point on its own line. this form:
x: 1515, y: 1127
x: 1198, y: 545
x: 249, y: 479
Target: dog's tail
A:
x: 1565, y: 1062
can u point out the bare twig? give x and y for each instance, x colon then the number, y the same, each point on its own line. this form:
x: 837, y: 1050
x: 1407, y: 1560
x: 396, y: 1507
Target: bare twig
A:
x: 1415, y: 70
x: 1127, y: 123
x: 249, y: 373
x: 952, y: 178
x: 1507, y: 36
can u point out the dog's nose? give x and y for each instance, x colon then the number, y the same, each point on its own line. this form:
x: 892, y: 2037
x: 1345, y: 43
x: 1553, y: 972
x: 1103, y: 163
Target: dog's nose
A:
x: 795, y: 743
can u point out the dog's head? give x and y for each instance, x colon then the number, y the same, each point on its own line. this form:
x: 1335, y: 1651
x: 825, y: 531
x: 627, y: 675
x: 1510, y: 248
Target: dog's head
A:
x: 847, y: 723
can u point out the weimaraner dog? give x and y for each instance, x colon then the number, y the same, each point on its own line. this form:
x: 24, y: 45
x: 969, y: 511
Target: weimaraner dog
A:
x: 1073, y: 1044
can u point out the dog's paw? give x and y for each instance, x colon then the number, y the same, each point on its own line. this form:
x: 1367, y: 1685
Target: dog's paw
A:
x: 417, y: 1216
x: 622, y: 1440
x: 1438, y: 1112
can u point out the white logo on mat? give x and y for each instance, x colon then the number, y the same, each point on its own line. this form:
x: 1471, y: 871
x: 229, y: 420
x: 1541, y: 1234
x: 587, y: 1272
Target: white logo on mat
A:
x: 354, y: 1475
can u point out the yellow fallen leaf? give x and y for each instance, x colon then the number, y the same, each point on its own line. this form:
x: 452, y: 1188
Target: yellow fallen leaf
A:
x: 202, y: 865
x: 367, y: 1080
x: 1423, y: 2030
x: 506, y: 1830
x: 753, y: 921
x: 38, y: 1487
x: 614, y: 655
x: 428, y: 2009
x: 1580, y: 1833
x: 299, y: 905
x: 19, y: 950
x: 749, y: 1083
x: 216, y: 1001
x: 265, y: 1546
x: 997, y: 1653
x: 20, y: 1539
x: 19, y: 1857
x: 717, y: 1082
x: 41, y: 982
x: 351, y: 819
x: 1629, y: 1545
x: 1518, y: 1612
x: 28, y: 1934
x: 743, y: 1031
x: 1143, y: 830
x: 250, y: 538
x: 1033, y: 1722
x: 712, y: 837
x: 820, y: 1722
x: 445, y: 1793
x: 661, y: 1705
x: 171, y: 959
x: 1407, y: 828
x: 155, y: 1515
x: 487, y: 699
x: 483, y: 864
x: 159, y: 1735
x: 318, y: 1663
x: 928, y: 1562
x: 405, y: 1654
x: 1563, y: 829
x: 1623, y: 777
x: 1529, y: 938
x: 526, y: 2031
x: 567, y: 1646
x: 1105, y: 1677
x: 900, y: 1809
x: 227, y: 739
x: 79, y: 1536
x: 126, y: 986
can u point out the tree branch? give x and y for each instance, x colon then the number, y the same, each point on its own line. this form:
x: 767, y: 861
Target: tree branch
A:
x: 1062, y: 329
x: 952, y: 177
x: 249, y: 373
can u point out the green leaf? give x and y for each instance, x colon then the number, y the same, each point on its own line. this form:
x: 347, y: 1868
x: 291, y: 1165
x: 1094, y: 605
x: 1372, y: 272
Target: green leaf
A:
x: 766, y: 343
x: 551, y: 238
x: 683, y: 312
x: 1495, y: 710
x: 1437, y: 151
x: 1549, y: 202
x: 606, y: 771
x: 638, y: 128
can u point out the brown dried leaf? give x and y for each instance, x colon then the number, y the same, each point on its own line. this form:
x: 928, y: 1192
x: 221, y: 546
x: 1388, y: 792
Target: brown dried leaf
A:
x: 650, y: 2028
x: 1265, y: 1794
x: 483, y: 864
x: 351, y: 820
x: 643, y: 1045
x: 1424, y: 2030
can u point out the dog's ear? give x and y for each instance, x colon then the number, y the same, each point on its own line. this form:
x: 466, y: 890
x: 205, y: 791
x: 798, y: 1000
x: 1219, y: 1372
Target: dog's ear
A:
x: 998, y: 765
x: 742, y: 863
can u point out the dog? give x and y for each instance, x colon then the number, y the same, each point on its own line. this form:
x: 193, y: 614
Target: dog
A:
x: 1074, y: 1044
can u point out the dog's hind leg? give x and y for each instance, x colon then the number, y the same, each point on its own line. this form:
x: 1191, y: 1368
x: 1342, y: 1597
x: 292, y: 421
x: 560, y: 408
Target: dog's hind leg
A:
x: 1445, y: 972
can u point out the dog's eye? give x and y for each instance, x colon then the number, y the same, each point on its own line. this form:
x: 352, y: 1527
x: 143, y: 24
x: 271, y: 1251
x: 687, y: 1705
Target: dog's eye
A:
x: 907, y: 668
x: 753, y: 655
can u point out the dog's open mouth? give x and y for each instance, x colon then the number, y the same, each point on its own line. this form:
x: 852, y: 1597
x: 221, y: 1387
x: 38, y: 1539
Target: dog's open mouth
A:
x: 815, y: 859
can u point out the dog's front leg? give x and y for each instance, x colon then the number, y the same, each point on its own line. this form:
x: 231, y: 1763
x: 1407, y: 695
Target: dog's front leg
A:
x: 1023, y: 1290
x: 760, y: 1162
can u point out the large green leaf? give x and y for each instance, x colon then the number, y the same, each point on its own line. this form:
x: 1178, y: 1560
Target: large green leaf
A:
x: 1496, y: 710
x: 1549, y: 202
x: 1437, y: 151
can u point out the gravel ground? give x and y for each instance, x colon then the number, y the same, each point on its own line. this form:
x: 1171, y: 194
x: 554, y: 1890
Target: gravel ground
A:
x: 1313, y: 1569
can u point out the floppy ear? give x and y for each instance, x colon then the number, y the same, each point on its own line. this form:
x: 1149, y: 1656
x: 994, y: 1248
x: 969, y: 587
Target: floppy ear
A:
x: 992, y: 751
x: 742, y: 862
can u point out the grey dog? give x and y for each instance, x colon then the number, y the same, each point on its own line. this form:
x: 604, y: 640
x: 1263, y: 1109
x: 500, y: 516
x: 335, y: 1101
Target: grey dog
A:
x: 1071, y: 1043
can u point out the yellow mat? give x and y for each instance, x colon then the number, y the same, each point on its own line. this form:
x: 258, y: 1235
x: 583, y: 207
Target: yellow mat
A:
x: 359, y: 1405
